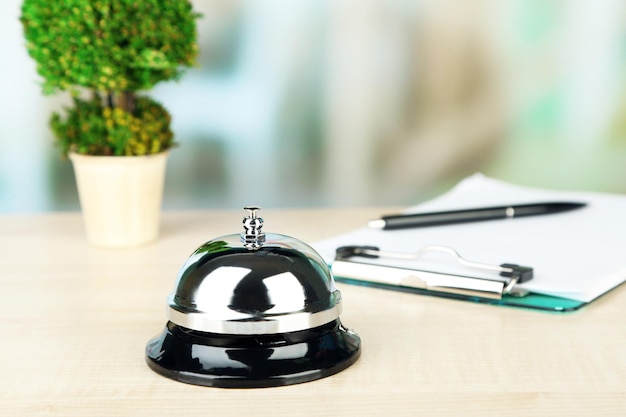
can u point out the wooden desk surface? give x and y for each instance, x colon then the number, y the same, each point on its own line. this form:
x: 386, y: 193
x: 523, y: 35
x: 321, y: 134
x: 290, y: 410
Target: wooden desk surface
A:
x: 74, y: 322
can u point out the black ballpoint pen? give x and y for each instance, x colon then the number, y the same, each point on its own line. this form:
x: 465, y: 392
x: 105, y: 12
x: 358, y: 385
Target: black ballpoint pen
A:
x: 405, y: 221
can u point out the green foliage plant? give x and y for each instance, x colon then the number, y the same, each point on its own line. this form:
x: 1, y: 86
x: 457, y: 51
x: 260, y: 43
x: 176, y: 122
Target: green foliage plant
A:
x: 104, y: 53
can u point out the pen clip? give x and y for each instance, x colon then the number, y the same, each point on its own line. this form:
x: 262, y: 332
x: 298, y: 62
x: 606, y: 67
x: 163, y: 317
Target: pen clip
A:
x: 428, y: 280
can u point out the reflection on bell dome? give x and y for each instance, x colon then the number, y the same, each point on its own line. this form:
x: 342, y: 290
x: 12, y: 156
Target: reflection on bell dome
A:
x: 286, y: 293
x: 284, y: 285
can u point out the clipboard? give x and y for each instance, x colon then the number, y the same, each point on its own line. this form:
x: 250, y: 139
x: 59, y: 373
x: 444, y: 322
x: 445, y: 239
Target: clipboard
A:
x: 576, y: 256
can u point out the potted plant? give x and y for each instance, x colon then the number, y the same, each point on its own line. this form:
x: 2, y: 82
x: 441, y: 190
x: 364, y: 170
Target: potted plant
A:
x: 104, y: 53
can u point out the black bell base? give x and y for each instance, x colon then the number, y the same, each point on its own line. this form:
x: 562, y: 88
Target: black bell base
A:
x: 257, y: 361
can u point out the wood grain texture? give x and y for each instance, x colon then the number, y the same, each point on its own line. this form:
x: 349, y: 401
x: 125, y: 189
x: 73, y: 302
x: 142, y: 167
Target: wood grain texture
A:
x: 74, y: 321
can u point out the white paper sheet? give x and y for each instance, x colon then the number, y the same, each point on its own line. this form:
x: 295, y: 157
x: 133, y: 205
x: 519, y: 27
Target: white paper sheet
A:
x: 579, y: 254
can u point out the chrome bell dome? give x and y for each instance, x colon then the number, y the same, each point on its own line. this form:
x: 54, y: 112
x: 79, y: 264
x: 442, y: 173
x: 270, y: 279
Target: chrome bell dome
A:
x: 253, y: 310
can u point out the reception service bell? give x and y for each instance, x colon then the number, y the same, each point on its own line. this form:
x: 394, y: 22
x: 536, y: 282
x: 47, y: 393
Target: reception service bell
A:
x: 253, y: 310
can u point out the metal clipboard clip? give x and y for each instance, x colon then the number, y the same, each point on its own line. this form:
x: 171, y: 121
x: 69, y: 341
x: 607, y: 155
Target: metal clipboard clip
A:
x: 509, y: 275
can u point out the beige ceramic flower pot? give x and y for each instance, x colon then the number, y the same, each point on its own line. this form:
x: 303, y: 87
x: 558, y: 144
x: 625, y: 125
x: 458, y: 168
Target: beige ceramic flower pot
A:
x: 120, y: 197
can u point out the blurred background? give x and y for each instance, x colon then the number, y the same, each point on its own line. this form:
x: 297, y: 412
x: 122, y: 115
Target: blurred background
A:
x: 358, y: 102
